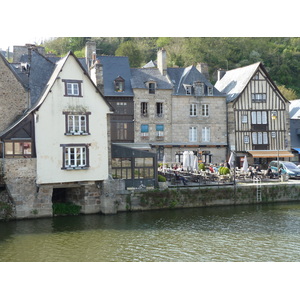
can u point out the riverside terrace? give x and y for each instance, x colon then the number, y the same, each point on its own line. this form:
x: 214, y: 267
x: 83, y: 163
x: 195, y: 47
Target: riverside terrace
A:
x: 177, y: 178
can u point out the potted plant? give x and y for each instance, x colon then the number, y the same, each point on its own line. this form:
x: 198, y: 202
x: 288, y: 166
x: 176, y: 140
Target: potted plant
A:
x: 162, y: 182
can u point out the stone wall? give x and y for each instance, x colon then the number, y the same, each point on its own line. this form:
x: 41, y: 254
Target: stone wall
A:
x: 29, y: 200
x: 13, y: 96
x: 205, y: 196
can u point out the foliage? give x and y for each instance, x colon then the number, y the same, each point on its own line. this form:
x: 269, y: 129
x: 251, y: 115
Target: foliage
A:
x: 289, y: 94
x: 6, y: 211
x: 130, y: 49
x: 66, y: 209
x: 161, y: 178
x: 224, y: 171
x: 280, y: 55
x: 201, y: 167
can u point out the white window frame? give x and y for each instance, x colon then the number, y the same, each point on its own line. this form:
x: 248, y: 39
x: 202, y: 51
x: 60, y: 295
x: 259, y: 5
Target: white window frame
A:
x: 246, y: 139
x: 72, y: 88
x: 205, y: 111
x: 244, y: 119
x: 193, y: 134
x: 259, y: 117
x: 259, y: 138
x: 188, y: 89
x: 77, y: 124
x: 193, y: 110
x: 75, y: 156
x: 205, y: 134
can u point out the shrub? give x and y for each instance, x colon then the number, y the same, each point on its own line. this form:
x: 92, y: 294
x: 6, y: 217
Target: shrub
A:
x: 66, y: 209
x: 161, y: 178
x: 224, y: 170
x: 201, y: 167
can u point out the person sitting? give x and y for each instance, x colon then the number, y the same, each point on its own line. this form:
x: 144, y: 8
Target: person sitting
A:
x: 270, y: 173
x: 178, y: 177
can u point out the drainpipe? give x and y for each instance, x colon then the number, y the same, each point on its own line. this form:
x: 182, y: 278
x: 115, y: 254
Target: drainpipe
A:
x: 3, y: 160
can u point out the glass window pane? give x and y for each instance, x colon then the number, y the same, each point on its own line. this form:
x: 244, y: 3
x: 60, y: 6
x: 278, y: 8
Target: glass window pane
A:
x: 126, y: 162
x: 139, y: 162
x: 18, y: 148
x: 9, y: 148
x: 27, y: 148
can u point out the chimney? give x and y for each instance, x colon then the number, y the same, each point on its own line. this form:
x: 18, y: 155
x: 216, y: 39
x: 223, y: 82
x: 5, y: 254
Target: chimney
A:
x: 97, y: 74
x: 221, y: 73
x: 90, y: 53
x: 203, y: 69
x: 162, y: 61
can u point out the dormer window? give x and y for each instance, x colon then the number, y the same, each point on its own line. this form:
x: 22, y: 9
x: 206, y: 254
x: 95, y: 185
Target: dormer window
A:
x: 188, y: 89
x: 199, y: 88
x: 119, y: 84
x: 210, y: 91
x: 151, y: 87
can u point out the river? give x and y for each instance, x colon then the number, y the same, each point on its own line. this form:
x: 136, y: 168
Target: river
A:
x: 251, y: 233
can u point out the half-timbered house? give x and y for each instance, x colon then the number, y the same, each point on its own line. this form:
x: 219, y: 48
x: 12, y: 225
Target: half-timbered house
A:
x: 258, y: 115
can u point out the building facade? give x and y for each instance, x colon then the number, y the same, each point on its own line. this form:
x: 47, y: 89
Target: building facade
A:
x: 258, y: 115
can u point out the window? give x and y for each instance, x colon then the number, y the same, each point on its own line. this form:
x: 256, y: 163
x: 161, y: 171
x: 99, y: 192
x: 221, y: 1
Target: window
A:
x: 119, y: 84
x: 151, y: 87
x: 144, y: 109
x: 244, y: 119
x: 246, y: 139
x: 188, y: 89
x: 210, y: 91
x: 259, y: 117
x: 75, y: 156
x: 122, y: 131
x: 256, y: 76
x: 72, y: 88
x: 193, y: 110
x: 259, y: 138
x: 205, y: 110
x: 193, y: 134
x: 17, y: 149
x: 205, y: 134
x: 121, y: 107
x: 77, y: 124
x: 259, y: 97
x: 159, y: 109
x: 145, y: 131
x: 159, y: 130
x: 121, y: 168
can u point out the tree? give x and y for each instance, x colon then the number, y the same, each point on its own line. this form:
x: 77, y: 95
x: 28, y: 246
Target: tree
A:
x: 289, y: 94
x: 130, y: 49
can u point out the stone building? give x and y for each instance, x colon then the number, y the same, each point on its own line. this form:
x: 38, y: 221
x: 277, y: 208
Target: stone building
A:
x: 153, y: 108
x: 178, y: 109
x: 59, y: 149
x: 14, y: 93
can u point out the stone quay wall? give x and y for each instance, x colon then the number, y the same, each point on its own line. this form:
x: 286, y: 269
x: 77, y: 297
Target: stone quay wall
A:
x: 206, y: 196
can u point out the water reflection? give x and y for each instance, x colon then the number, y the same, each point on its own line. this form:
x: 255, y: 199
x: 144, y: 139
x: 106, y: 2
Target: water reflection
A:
x: 241, y: 233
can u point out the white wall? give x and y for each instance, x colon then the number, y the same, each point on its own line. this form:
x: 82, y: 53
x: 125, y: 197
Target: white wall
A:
x: 50, y: 130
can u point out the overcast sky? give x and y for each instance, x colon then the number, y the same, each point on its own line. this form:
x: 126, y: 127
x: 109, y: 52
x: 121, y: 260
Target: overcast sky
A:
x: 24, y: 22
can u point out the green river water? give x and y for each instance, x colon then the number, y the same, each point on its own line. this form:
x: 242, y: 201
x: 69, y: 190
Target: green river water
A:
x: 259, y: 233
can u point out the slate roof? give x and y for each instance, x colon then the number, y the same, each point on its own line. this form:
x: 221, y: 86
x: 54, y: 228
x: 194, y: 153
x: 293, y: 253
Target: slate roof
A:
x: 140, y: 76
x: 188, y: 75
x: 234, y: 81
x: 113, y: 67
x: 294, y: 109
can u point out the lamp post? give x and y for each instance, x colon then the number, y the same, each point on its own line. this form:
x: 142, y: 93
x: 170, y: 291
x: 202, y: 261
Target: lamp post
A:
x: 274, y: 118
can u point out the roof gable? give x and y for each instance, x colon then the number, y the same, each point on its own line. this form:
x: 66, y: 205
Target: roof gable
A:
x: 113, y: 67
x: 140, y: 76
x: 181, y: 77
